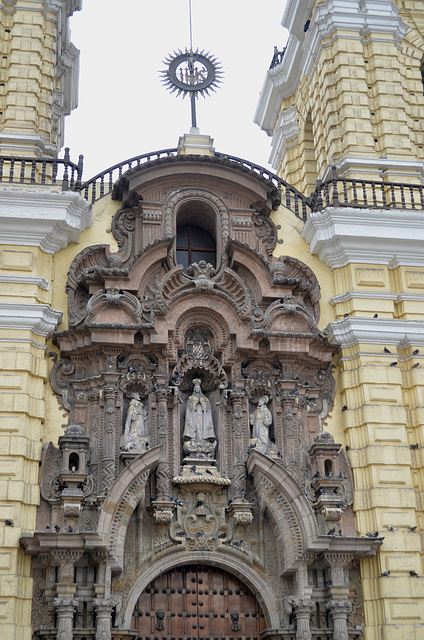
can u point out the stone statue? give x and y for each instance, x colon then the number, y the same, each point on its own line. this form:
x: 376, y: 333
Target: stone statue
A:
x: 135, y: 432
x: 199, y: 435
x: 261, y: 419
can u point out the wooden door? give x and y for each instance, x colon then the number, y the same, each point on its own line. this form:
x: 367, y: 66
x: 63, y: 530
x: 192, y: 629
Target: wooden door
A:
x: 197, y: 602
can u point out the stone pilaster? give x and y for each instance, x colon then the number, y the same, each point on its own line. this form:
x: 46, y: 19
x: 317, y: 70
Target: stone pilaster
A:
x: 65, y: 609
x: 303, y: 610
x: 103, y: 610
x: 340, y: 609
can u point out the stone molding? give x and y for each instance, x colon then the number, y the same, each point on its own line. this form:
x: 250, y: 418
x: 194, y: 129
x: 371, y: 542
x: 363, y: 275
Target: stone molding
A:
x: 49, y: 220
x: 287, y: 129
x: 352, y: 331
x: 38, y: 318
x: 360, y: 16
x: 368, y: 236
x: 377, y: 168
x: 68, y: 5
x: 13, y: 143
x: 374, y: 295
x: 40, y: 282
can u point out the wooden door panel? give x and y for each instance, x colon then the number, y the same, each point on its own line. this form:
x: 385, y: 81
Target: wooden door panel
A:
x: 197, y: 603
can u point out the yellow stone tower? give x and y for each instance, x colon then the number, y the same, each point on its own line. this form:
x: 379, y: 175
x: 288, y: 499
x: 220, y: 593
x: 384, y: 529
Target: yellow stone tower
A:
x: 38, y: 217
x: 343, y: 103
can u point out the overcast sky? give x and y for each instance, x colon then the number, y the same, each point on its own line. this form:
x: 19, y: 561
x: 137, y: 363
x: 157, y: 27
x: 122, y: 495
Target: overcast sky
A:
x: 124, y: 110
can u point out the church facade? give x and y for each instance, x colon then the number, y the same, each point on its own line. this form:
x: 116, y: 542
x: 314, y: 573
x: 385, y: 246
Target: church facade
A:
x: 210, y: 416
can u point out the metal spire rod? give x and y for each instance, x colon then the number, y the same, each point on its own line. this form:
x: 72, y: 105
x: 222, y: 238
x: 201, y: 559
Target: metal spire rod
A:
x: 191, y: 70
x: 191, y: 26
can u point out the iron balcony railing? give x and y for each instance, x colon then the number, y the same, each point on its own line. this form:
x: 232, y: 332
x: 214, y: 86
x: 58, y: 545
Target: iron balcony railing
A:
x: 366, y: 194
x: 335, y: 192
x: 42, y: 171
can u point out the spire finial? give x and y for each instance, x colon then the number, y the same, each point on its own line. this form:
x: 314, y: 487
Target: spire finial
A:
x: 191, y: 73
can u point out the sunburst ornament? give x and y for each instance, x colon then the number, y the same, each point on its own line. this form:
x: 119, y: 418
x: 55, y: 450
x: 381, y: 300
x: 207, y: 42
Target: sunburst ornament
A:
x: 192, y: 73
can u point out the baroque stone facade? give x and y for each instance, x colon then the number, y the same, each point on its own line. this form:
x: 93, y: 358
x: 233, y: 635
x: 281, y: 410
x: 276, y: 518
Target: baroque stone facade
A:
x: 196, y: 400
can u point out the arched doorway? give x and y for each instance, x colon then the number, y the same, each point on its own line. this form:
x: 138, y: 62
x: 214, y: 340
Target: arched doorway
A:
x: 197, y: 602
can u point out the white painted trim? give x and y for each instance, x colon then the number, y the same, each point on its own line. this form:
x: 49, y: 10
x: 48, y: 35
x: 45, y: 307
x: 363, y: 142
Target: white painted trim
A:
x: 38, y: 318
x: 377, y: 168
x: 375, y: 295
x: 31, y: 342
x: 286, y: 130
x: 351, y: 295
x: 40, y: 282
x: 49, y: 220
x: 352, y: 331
x: 15, y: 143
x: 296, y: 14
x: 371, y: 236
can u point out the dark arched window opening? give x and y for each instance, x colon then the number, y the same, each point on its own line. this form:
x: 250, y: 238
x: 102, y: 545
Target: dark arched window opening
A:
x: 328, y: 466
x: 195, y: 244
x: 74, y: 462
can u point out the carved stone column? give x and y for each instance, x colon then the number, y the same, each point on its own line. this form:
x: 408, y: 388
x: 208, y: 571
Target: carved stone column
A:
x: 340, y: 609
x: 237, y: 402
x: 303, y: 610
x: 65, y: 609
x: 290, y: 420
x: 103, y: 609
x: 104, y: 575
x: 109, y: 441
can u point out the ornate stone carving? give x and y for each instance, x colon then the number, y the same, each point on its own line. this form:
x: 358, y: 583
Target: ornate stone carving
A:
x: 198, y: 360
x: 267, y: 231
x: 123, y: 222
x: 340, y: 609
x: 199, y: 434
x: 261, y: 420
x: 135, y: 436
x: 100, y: 307
x: 59, y: 379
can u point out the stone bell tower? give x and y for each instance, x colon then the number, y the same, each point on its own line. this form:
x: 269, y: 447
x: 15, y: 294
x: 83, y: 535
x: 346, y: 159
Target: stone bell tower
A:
x: 39, y: 216
x: 343, y: 103
x: 38, y: 76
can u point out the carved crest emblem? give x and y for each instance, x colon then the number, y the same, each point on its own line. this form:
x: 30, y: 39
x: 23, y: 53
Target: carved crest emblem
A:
x: 198, y: 344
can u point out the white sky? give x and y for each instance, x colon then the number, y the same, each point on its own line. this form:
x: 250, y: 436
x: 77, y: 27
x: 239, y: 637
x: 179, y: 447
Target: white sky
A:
x: 124, y: 110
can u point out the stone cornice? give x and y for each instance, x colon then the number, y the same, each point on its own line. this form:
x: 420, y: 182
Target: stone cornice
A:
x: 352, y: 331
x: 40, y: 282
x: 386, y: 237
x: 377, y: 168
x: 359, y: 16
x: 376, y: 295
x: 287, y: 129
x: 38, y: 318
x: 46, y: 219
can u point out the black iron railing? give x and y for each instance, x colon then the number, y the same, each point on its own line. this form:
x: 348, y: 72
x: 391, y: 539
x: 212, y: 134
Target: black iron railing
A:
x: 42, y: 171
x: 366, y: 194
x: 335, y: 192
x: 102, y: 184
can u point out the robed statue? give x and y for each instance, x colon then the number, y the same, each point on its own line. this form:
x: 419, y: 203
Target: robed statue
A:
x: 261, y: 420
x: 135, y: 436
x: 199, y: 440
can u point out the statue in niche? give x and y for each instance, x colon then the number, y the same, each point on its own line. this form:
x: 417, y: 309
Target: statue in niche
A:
x: 199, y: 434
x: 261, y: 420
x: 135, y: 436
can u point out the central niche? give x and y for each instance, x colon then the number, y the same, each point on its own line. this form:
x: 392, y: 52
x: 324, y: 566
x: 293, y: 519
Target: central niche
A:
x: 196, y: 233
x: 196, y: 602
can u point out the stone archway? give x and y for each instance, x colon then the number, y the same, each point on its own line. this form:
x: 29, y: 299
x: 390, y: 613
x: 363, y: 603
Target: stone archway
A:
x: 197, y: 602
x: 234, y: 566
